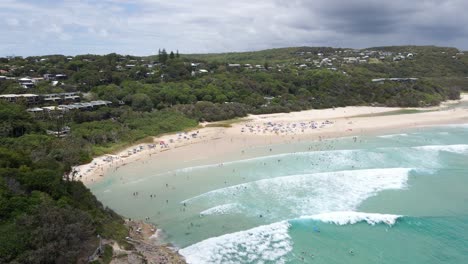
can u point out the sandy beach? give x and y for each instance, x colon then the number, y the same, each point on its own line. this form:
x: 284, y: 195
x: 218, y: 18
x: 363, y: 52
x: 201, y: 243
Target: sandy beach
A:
x: 270, y: 129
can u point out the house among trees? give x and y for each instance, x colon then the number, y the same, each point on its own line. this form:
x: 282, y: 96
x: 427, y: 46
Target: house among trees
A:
x: 30, y: 99
x: 53, y: 77
x: 26, y: 83
x: 382, y: 80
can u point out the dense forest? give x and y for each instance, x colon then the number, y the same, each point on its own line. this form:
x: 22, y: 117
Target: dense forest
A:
x: 46, y: 216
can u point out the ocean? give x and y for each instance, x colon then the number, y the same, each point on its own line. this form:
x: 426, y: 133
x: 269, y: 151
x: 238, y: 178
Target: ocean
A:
x: 394, y: 198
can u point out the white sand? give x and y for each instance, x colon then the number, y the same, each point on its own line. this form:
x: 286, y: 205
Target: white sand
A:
x: 258, y: 130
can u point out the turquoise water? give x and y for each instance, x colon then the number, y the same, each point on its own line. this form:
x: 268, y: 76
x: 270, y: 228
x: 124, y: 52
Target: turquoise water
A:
x: 399, y: 198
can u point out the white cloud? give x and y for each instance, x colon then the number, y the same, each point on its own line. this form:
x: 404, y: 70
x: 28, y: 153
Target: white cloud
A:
x: 12, y: 22
x: 143, y: 26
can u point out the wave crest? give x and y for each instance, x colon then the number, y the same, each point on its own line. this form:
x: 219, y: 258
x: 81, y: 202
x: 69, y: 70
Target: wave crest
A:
x: 350, y: 218
x: 223, y: 209
x: 459, y: 149
x: 264, y: 243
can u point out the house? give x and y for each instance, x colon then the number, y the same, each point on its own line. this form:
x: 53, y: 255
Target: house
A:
x: 36, y: 80
x: 51, y: 98
x: 399, y: 57
x: 49, y: 77
x: 350, y: 60
x: 49, y: 108
x: 35, y: 110
x: 234, y: 65
x: 26, y: 82
x: 78, y: 106
x: 61, y: 76
x: 382, y: 80
x: 61, y: 97
x: 30, y: 99
x: 11, y: 98
x: 64, y: 131
x: 326, y: 61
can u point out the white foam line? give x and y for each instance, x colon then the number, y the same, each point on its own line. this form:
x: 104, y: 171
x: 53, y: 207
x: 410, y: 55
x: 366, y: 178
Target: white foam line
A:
x: 264, y: 243
x: 459, y: 149
x: 264, y: 182
x: 448, y: 125
x: 302, y: 153
x: 223, y: 209
x: 349, y: 217
x: 394, y: 135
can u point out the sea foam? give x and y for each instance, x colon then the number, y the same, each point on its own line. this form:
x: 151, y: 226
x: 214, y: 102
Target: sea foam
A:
x: 349, y: 217
x: 223, y: 209
x: 267, y: 243
x: 393, y: 135
x: 459, y: 149
x: 307, y: 194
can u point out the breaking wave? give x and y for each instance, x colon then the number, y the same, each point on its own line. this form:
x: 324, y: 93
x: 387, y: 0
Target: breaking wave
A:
x: 349, y: 217
x: 264, y: 243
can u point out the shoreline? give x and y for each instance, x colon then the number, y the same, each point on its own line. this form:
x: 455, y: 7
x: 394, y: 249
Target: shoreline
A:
x: 271, y: 129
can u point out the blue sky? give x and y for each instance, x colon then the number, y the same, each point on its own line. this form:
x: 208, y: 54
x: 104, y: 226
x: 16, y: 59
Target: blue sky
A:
x: 140, y: 27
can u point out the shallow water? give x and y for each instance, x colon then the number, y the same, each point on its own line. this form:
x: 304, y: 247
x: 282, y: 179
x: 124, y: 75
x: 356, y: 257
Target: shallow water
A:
x: 411, y: 190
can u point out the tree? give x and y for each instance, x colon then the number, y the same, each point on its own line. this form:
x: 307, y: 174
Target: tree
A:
x: 142, y: 102
x: 14, y: 121
x: 172, y: 56
x: 177, y: 54
x: 163, y: 57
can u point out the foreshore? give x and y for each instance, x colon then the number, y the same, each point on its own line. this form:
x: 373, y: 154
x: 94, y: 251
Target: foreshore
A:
x: 270, y: 129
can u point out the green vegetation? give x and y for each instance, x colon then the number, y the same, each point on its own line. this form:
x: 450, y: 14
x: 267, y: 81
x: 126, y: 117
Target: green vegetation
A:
x: 107, y: 256
x: 48, y: 217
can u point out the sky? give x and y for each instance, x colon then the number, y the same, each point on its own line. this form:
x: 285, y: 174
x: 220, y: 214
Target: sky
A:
x: 141, y: 27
